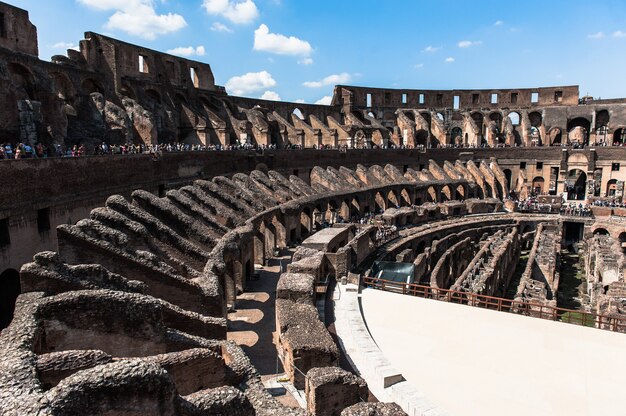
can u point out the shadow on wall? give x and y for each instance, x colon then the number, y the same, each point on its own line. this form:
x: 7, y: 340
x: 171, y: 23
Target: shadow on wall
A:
x: 9, y: 290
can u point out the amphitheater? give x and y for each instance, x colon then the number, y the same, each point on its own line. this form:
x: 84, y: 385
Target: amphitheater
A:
x: 396, y: 252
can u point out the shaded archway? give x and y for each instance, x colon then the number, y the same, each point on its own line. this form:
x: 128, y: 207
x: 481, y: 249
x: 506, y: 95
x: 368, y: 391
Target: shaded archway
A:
x: 446, y: 194
x: 576, y: 184
x: 578, y: 131
x: 431, y: 194
x: 538, y: 185
x: 508, y: 175
x: 611, y: 188
x: 10, y: 289
x: 421, y: 138
x: 555, y: 136
x: 619, y: 137
x: 600, y: 231
x: 24, y: 79
x: 381, y: 204
x: 90, y: 86
x: 306, y: 223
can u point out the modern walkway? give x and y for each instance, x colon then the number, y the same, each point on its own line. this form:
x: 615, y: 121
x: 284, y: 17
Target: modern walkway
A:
x: 477, y: 362
x: 253, y: 324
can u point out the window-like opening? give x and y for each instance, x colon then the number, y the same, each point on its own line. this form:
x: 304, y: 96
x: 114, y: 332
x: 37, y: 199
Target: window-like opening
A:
x: 515, y: 118
x: 615, y: 167
x: 475, y: 98
x: 194, y: 77
x: 5, y: 236
x: 161, y: 191
x: 439, y: 99
x: 387, y: 97
x: 421, y: 99
x: 558, y: 96
x: 369, y: 100
x: 534, y: 97
x: 513, y: 98
x: 3, y: 32
x: 43, y: 220
x: 143, y: 64
x: 494, y: 98
x: 522, y: 165
x: 404, y: 99
x: 456, y: 102
x: 539, y: 165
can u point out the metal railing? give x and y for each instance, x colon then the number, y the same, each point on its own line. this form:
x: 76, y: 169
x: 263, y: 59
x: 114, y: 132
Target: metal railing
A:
x: 535, y: 310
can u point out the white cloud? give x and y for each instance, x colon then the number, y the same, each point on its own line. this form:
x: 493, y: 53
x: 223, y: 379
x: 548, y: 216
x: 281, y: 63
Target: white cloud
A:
x: 250, y: 82
x: 325, y: 100
x: 469, y: 43
x: 342, y: 78
x: 619, y: 34
x: 270, y: 95
x: 220, y: 27
x: 418, y: 66
x: 449, y: 59
x: 65, y: 45
x: 498, y: 23
x: 430, y: 48
x: 137, y: 17
x: 599, y: 35
x: 188, y: 51
x: 305, y: 61
x: 238, y: 12
x: 280, y: 44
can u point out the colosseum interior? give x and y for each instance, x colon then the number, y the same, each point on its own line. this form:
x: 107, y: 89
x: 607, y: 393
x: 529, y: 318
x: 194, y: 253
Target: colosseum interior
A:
x: 362, y: 258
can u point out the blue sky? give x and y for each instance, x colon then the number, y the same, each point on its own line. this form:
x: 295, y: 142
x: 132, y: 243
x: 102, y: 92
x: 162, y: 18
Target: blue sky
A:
x: 299, y: 49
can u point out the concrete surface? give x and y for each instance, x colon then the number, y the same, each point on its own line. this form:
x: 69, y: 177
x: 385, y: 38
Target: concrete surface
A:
x: 472, y: 361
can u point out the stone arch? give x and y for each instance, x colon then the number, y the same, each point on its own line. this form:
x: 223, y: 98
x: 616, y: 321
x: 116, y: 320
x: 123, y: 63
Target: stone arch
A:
x: 10, y: 289
x: 63, y: 87
x: 456, y: 135
x: 538, y: 185
x: 509, y: 177
x: 602, y: 119
x: 332, y: 210
x: 405, y: 197
x: 611, y: 188
x: 576, y: 184
x: 578, y: 131
x: 355, y: 206
x: 380, y: 202
x: 421, y: 138
x: 345, y: 211
x: 535, y: 118
x: 24, y: 79
x: 298, y: 113
x: 446, y: 193
x: 622, y: 240
x: 619, y: 137
x: 153, y: 95
x: 555, y: 136
x: 393, y: 199
x: 600, y: 231
x: 515, y: 117
x: 460, y: 192
x: 431, y: 194
x: 306, y: 222
x: 89, y: 86
x: 318, y: 217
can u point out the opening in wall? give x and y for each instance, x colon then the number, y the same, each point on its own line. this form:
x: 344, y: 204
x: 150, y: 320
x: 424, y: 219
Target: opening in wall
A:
x: 194, y: 77
x: 513, y: 98
x: 43, y: 220
x: 3, y: 33
x: 368, y: 100
x: 404, y: 99
x: 475, y: 98
x: 143, y: 64
x: 534, y: 97
x: 5, y: 236
x: 421, y: 99
x: 558, y: 96
x: 494, y: 98
x: 456, y: 102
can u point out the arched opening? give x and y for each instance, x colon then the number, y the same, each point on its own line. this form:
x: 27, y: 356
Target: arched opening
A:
x: 306, y: 223
x: 460, y: 192
x: 538, y: 185
x: 535, y: 118
x: 23, y: 78
x: 298, y: 113
x: 576, y: 185
x: 515, y: 118
x: 597, y: 181
x: 600, y: 231
x: 90, y: 86
x: 330, y: 216
x: 10, y: 289
x: 619, y: 137
x: 578, y: 131
x: 393, y: 199
x: 456, y: 136
x: 479, y: 121
x: 344, y: 212
x: 555, y: 136
x: 441, y: 117
x: 446, y: 194
x: 355, y: 207
x: 431, y: 194
x: 128, y: 91
x: 611, y: 188
x: 421, y: 138
x: 63, y: 88
x: 317, y: 218
x: 381, y: 204
x: 622, y: 241
x: 405, y: 198
x: 154, y: 95
x: 508, y: 176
